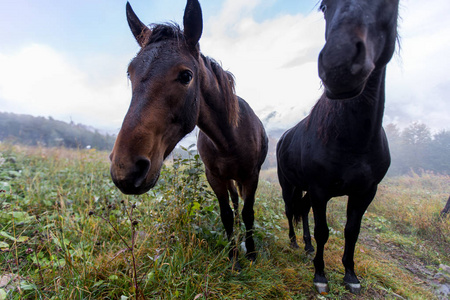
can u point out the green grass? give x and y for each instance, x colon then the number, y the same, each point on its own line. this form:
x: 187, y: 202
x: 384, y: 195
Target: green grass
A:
x: 66, y: 232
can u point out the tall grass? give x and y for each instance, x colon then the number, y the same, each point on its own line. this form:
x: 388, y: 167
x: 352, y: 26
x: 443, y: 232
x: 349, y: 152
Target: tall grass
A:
x: 67, y: 233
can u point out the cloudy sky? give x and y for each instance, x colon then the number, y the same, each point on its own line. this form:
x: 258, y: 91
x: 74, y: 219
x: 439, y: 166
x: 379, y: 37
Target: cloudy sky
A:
x: 68, y: 59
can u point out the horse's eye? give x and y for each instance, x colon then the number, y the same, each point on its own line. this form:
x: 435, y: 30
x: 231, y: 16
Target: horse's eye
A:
x: 323, y: 8
x: 185, y: 77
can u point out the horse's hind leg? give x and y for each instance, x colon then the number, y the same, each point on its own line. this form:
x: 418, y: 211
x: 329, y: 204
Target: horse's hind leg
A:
x: 219, y: 187
x: 356, y: 207
x: 305, y: 208
x: 293, y: 197
x: 248, y: 215
x: 288, y: 192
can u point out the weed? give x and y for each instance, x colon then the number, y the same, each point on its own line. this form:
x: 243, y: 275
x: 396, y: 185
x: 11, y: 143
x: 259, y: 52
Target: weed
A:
x: 171, y: 244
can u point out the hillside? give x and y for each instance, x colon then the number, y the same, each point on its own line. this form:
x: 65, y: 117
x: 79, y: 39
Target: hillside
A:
x: 32, y: 131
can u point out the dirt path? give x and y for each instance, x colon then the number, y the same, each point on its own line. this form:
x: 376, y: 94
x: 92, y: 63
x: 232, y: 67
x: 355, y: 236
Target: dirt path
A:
x: 436, y: 279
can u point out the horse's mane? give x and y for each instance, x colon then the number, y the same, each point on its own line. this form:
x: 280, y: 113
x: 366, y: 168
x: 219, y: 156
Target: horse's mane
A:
x: 326, y: 115
x: 226, y: 83
x: 323, y: 115
x: 225, y: 79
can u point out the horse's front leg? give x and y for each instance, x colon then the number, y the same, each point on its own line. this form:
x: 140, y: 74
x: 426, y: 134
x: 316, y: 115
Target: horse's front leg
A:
x: 321, y: 234
x: 288, y: 196
x: 304, y: 211
x: 357, y: 205
x: 219, y: 187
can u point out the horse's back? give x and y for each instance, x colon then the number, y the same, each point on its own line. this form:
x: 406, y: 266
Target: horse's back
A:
x: 252, y: 129
x: 289, y: 156
x: 246, y: 150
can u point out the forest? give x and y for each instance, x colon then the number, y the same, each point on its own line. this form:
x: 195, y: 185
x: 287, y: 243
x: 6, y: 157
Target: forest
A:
x: 40, y: 131
x: 413, y: 149
x: 416, y: 149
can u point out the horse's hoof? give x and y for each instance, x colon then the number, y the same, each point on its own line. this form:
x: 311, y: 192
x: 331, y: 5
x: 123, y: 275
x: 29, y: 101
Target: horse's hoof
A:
x: 251, y: 256
x: 309, y: 249
x: 235, y: 267
x: 322, y: 288
x: 294, y: 245
x: 354, y: 288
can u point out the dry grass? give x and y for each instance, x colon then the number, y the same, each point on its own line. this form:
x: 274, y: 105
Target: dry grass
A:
x: 60, y: 252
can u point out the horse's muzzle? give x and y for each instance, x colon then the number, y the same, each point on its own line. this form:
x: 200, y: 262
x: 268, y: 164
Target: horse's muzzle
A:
x: 344, y: 67
x: 133, y: 179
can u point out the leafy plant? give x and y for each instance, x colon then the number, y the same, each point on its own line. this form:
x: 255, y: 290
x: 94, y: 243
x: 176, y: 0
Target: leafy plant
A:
x: 51, y: 248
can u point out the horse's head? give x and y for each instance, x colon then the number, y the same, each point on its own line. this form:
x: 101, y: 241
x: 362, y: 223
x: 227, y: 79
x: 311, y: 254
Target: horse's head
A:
x: 360, y: 38
x: 164, y: 106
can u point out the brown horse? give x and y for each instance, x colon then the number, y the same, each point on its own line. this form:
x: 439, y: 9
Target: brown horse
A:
x: 175, y: 88
x: 341, y: 148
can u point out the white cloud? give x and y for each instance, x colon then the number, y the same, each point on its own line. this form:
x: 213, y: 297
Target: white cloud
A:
x: 417, y: 80
x: 274, y: 62
x: 40, y: 81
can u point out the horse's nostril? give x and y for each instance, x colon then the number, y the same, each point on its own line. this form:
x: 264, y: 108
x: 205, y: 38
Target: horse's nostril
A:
x: 360, y: 51
x: 142, y: 168
x: 359, y: 59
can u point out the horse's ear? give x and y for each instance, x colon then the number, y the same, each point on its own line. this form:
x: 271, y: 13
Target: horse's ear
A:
x: 140, y: 31
x: 193, y: 23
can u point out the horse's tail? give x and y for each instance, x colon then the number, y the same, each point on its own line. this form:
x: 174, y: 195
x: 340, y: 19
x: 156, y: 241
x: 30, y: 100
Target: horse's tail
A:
x: 234, y: 187
x: 264, y: 146
x: 239, y: 188
x: 300, y: 206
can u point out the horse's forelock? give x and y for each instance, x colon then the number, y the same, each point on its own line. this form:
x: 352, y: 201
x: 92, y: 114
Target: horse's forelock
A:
x: 161, y: 32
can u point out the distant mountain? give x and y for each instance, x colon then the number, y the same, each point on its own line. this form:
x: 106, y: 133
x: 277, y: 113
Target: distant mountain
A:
x: 30, y: 130
x: 271, y: 159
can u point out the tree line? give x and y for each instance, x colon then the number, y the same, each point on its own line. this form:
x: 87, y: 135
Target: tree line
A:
x: 416, y: 149
x: 48, y: 132
x: 413, y: 149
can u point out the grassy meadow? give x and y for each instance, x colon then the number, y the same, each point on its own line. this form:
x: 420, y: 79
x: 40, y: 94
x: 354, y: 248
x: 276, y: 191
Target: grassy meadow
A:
x: 66, y: 232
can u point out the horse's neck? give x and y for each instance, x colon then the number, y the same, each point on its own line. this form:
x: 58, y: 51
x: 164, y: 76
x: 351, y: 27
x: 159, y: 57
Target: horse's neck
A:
x: 371, y: 103
x: 358, y: 122
x: 213, y: 118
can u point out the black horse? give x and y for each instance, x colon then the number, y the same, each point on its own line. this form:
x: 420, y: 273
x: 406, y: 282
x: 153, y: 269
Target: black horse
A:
x: 446, y: 209
x: 340, y: 148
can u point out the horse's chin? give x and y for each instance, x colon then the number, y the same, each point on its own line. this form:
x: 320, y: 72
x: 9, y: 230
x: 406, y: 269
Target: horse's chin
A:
x: 341, y: 86
x: 343, y: 94
x: 142, y: 188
